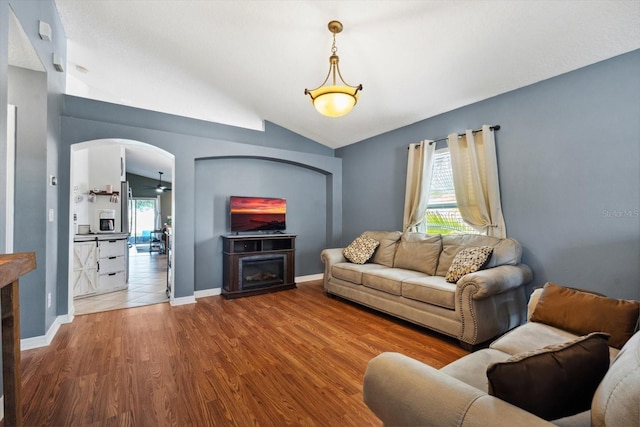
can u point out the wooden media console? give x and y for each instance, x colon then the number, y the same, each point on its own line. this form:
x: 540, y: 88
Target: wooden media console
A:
x: 257, y: 264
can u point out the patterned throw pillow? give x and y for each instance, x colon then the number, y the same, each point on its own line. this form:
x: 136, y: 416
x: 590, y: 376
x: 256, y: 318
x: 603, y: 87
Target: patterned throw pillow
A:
x: 360, y: 250
x: 467, y: 261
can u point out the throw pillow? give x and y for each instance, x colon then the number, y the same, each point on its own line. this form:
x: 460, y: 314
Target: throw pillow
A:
x: 419, y: 252
x: 386, y: 251
x: 467, y: 261
x: 553, y: 382
x: 360, y: 250
x: 582, y: 312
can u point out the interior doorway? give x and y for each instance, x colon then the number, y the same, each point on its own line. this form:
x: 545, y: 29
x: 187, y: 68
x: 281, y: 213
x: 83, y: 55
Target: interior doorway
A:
x: 142, y: 223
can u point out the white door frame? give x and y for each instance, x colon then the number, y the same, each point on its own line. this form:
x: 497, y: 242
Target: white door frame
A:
x: 12, y: 115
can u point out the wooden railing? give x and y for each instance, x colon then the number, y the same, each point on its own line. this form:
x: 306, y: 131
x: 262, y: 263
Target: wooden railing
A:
x: 12, y: 267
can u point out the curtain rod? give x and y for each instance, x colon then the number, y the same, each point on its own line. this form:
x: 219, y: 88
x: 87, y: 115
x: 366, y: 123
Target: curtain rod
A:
x: 494, y: 128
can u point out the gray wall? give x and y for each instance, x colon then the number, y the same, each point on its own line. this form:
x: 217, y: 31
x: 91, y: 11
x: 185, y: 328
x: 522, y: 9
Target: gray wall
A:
x: 28, y: 92
x: 191, y: 142
x: 36, y: 157
x: 37, y: 142
x: 569, y: 165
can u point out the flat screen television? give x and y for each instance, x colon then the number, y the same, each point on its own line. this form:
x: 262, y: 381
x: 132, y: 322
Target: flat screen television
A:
x: 257, y: 213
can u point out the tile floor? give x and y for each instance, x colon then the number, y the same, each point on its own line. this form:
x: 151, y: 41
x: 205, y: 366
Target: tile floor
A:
x: 147, y: 285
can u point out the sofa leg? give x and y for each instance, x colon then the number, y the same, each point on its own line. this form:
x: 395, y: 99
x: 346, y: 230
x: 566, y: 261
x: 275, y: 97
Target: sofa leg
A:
x: 474, y: 347
x: 466, y: 346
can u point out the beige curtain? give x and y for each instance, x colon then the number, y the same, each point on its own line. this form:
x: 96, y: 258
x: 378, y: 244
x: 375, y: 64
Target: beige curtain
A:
x: 416, y: 196
x: 475, y: 179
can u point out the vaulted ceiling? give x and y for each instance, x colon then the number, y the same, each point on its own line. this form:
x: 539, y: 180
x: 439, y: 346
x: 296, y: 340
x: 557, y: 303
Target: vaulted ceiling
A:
x: 242, y: 62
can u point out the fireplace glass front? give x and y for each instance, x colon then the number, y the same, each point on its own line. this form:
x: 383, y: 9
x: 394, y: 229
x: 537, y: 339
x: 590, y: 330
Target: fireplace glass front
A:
x: 261, y: 271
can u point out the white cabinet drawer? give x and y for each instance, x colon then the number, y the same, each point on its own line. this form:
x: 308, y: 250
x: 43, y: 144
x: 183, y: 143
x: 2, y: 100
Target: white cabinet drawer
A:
x: 110, y: 248
x: 112, y: 281
x: 112, y: 264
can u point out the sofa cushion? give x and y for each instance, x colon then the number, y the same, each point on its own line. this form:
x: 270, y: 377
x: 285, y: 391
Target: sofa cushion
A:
x: 583, y: 312
x: 361, y: 249
x: 418, y: 251
x: 471, y: 369
x: 555, y: 381
x: 532, y: 336
x: 386, y: 251
x: 431, y: 290
x: 350, y: 272
x: 505, y: 251
x: 388, y: 279
x: 467, y: 261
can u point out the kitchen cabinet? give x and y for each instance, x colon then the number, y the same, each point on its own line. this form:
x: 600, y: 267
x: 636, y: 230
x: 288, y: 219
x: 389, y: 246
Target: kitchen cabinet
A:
x: 100, y: 264
x: 85, y: 268
x: 112, y: 265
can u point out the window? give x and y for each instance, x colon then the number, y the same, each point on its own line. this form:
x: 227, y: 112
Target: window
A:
x: 443, y: 216
x: 143, y: 213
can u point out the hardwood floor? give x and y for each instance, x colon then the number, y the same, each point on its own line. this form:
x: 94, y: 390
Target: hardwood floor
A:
x: 294, y: 357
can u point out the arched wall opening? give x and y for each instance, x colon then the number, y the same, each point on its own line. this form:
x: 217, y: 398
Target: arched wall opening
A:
x: 305, y: 189
x: 102, y: 157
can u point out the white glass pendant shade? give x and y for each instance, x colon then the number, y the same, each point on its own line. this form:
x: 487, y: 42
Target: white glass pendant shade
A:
x: 334, y: 101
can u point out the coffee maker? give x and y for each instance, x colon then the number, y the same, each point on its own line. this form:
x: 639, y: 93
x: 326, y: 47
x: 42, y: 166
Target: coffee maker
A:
x: 106, y: 221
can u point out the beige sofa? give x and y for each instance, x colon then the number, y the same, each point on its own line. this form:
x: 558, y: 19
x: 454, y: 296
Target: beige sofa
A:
x: 402, y: 391
x: 406, y: 278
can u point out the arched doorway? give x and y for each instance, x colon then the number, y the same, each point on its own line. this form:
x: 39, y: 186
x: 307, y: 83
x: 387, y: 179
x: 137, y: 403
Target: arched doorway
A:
x: 106, y: 269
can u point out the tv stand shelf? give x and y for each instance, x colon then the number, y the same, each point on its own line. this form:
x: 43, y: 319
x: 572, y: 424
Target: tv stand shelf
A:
x: 257, y: 264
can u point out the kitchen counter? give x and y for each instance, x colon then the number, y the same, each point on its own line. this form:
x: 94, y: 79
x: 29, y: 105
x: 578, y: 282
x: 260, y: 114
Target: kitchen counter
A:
x: 99, y: 236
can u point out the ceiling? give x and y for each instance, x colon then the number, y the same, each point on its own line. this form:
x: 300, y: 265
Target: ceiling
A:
x: 242, y: 62
x: 21, y: 52
x: 142, y: 159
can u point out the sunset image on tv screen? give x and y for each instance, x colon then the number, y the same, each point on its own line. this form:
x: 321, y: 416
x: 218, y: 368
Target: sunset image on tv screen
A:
x: 257, y: 213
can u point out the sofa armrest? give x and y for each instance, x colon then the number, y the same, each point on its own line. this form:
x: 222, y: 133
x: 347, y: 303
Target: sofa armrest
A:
x: 496, y: 280
x: 402, y: 391
x: 330, y: 257
x: 533, y: 301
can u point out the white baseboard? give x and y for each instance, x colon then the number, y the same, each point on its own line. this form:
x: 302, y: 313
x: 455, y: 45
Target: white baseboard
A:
x: 309, y: 278
x: 207, y: 293
x: 65, y: 318
x: 45, y: 340
x: 183, y: 300
x: 218, y: 291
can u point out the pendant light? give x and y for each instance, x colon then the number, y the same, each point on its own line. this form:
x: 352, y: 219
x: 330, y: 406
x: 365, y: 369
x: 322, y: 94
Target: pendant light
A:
x: 334, y: 100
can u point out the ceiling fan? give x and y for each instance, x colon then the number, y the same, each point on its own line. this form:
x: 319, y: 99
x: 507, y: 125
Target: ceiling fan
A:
x: 160, y: 188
